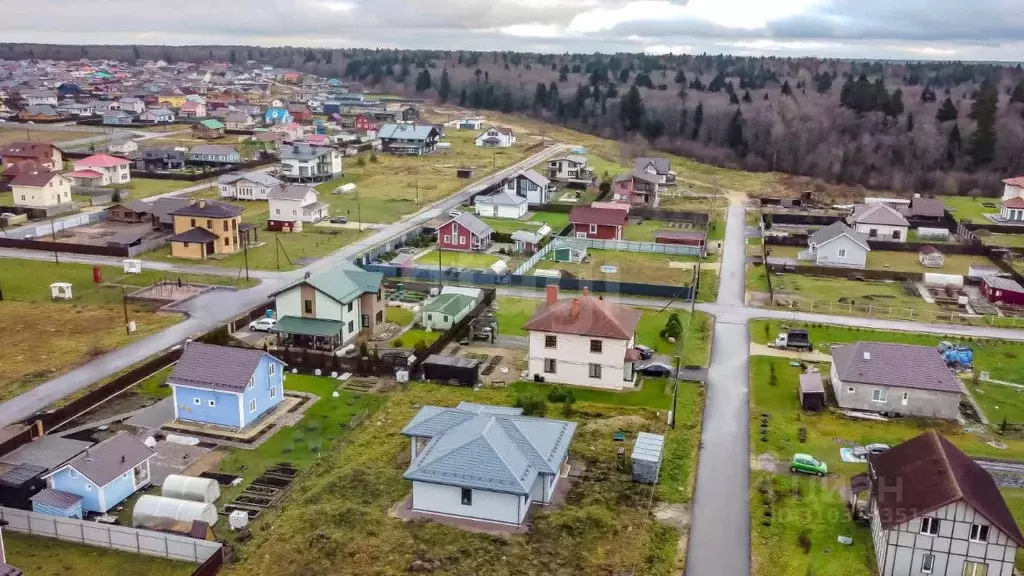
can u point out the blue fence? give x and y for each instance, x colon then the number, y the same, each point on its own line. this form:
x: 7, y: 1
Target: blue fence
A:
x: 518, y: 280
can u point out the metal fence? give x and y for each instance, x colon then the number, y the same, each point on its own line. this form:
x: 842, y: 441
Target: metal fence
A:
x: 135, y: 540
x: 644, y: 247
x: 49, y: 228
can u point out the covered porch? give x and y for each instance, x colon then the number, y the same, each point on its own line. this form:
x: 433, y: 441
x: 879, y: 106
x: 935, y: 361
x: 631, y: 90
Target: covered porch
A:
x: 310, y: 333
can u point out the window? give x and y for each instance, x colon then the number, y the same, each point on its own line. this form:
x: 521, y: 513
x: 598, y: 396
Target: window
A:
x: 273, y: 392
x: 349, y: 307
x: 252, y: 405
x: 277, y: 210
x: 549, y: 365
x: 380, y: 316
x: 225, y: 225
x: 444, y: 319
x: 197, y: 401
x: 271, y: 369
x: 307, y: 306
x: 366, y: 320
x: 72, y: 472
x: 192, y: 222
x: 594, y: 370
x: 841, y: 253
x: 595, y: 346
x: 850, y: 390
x: 895, y: 234
x: 927, y: 563
x: 186, y: 244
x: 906, y: 398
x: 227, y: 241
x: 873, y: 233
x: 550, y: 341
x: 447, y: 238
x: 379, y: 295
x: 593, y: 228
x: 211, y: 403
x: 350, y: 326
x: 878, y: 395
x: 979, y: 533
x: 234, y: 224
x: 975, y: 569
x: 209, y: 224
x: 930, y: 525
x: 467, y: 496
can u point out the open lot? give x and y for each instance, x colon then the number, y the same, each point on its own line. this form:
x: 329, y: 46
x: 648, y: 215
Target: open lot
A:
x: 644, y: 232
x: 102, y: 232
x: 533, y: 220
x: 973, y: 209
x: 900, y: 261
x: 391, y: 187
x: 1007, y: 240
x: 12, y: 133
x: 645, y: 268
x: 826, y: 290
x: 43, y: 337
x: 475, y: 260
x: 809, y: 504
x: 140, y: 188
x: 40, y: 556
x: 349, y: 491
x: 514, y: 312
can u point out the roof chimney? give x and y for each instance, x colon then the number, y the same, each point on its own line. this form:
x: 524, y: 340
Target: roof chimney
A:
x: 202, y: 203
x: 867, y: 355
x: 586, y: 291
x: 551, y: 294
x: 575, y: 311
x: 192, y: 202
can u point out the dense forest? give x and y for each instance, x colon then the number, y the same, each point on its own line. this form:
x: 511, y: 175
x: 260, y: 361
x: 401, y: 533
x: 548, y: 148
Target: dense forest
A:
x: 936, y: 127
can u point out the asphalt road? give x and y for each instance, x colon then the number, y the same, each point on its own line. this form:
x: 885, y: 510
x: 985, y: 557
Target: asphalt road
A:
x: 720, y: 520
x: 209, y: 310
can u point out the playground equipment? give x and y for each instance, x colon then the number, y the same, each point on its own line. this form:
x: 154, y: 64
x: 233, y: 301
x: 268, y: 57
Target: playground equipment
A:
x: 60, y: 291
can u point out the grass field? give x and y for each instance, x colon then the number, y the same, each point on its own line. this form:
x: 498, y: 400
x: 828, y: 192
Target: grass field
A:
x: 10, y: 134
x: 348, y: 492
x: 973, y: 209
x: 637, y: 232
x: 140, y: 188
x: 395, y: 186
x: 532, y: 221
x: 43, y: 338
x: 1015, y: 502
x: 631, y: 267
x: 842, y: 291
x: 476, y: 260
x: 40, y: 556
x: 410, y: 338
x: 1008, y: 240
x: 901, y: 261
x: 400, y: 316
x: 514, y: 312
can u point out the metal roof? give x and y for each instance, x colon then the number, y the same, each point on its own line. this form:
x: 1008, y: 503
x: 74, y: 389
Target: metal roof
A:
x: 343, y: 282
x: 308, y: 326
x: 55, y: 498
x: 472, y: 223
x: 648, y: 447
x: 894, y: 364
x: 458, y: 361
x: 501, y: 198
x: 109, y: 459
x: 216, y: 367
x: 835, y: 230
x: 450, y: 304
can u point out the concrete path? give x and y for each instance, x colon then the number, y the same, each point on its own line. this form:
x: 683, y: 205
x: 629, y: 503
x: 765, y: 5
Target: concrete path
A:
x: 812, y: 356
x: 213, y: 308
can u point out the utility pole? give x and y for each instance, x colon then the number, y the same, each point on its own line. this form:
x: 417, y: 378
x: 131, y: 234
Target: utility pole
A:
x: 359, y: 211
x: 53, y: 233
x: 440, y: 272
x: 245, y: 257
x: 277, y: 251
x: 124, y: 302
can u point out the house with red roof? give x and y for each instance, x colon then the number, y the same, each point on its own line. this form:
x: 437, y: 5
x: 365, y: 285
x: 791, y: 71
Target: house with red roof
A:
x: 101, y: 170
x: 1012, y: 207
x: 47, y: 155
x: 583, y: 341
x: 192, y: 109
x: 598, y: 223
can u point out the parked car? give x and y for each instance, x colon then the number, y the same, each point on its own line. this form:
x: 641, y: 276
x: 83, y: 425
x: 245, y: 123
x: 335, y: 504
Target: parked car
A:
x: 339, y: 220
x: 645, y: 352
x: 808, y: 464
x: 262, y: 325
x: 455, y: 213
x: 655, y: 369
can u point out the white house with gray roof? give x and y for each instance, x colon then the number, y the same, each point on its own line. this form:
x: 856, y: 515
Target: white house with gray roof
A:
x: 837, y: 245
x: 880, y: 222
x: 304, y: 163
x: 484, y: 462
x: 292, y: 204
x: 531, y: 185
x: 895, y: 378
x: 247, y: 185
x: 503, y: 204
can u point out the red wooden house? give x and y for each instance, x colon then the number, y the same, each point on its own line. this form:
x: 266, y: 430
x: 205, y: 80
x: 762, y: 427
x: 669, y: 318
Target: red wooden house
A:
x: 364, y: 123
x: 1002, y: 290
x: 300, y: 112
x: 465, y: 232
x: 598, y: 223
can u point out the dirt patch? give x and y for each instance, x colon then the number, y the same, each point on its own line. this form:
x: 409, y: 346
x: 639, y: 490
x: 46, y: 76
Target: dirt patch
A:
x: 765, y: 350
x: 674, y: 515
x: 616, y: 423
x: 512, y: 362
x: 205, y: 463
x: 765, y: 463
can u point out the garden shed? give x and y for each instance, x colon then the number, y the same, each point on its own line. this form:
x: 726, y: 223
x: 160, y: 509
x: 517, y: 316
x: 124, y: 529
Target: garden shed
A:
x: 190, y: 488
x: 812, y: 392
x: 57, y: 503
x: 171, y: 514
x: 647, y: 456
x: 452, y: 369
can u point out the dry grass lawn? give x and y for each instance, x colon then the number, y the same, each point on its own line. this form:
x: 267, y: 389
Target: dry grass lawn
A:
x: 21, y: 134
x: 631, y: 267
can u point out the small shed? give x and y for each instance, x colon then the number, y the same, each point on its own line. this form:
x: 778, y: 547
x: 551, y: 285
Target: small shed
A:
x: 60, y: 291
x: 452, y: 369
x: 19, y: 482
x: 812, y: 392
x: 190, y: 488
x: 568, y: 251
x: 57, y: 503
x: 171, y: 514
x: 930, y: 257
x: 646, y: 457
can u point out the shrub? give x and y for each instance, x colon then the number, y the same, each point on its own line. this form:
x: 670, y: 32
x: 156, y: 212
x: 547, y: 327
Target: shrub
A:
x: 398, y: 343
x: 373, y: 156
x: 804, y: 538
x: 360, y: 161
x: 561, y: 394
x: 532, y: 405
x: 420, y: 348
x: 773, y: 380
x: 673, y: 327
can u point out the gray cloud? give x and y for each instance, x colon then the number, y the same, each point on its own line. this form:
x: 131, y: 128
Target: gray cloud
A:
x: 987, y: 29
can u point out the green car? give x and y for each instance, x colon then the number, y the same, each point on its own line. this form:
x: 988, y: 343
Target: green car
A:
x: 808, y: 465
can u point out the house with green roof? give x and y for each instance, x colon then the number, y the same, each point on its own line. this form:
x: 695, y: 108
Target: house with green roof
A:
x: 329, y: 309
x: 446, y: 310
x: 209, y: 129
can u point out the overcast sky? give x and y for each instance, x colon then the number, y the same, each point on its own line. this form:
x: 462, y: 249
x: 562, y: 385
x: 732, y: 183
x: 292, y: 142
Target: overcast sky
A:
x: 901, y: 29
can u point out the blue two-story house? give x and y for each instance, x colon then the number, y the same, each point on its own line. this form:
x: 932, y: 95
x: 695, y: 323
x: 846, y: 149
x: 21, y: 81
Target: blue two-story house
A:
x: 105, y: 474
x: 276, y: 115
x: 225, y: 386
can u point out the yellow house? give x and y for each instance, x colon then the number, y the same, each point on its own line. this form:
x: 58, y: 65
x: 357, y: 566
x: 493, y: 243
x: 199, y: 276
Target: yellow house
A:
x: 203, y: 228
x: 41, y: 188
x: 172, y: 100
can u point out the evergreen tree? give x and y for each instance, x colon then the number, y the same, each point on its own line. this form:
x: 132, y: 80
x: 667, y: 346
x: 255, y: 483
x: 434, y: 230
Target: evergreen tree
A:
x: 717, y: 83
x: 644, y: 81
x: 734, y: 134
x: 697, y: 85
x: 823, y: 82
x: 947, y: 111
x: 684, y: 120
x: 680, y: 77
x: 540, y: 96
x: 423, y: 80
x: 623, y: 75
x: 928, y: 95
x: 894, y: 107
x: 698, y: 120
x: 563, y: 73
x: 612, y: 91
x: 631, y: 109
x: 595, y: 78
x: 1018, y: 93
x: 765, y: 97
x: 983, y: 112
x: 445, y: 89
x: 953, y: 145
x: 786, y: 90
x: 746, y: 97
x: 653, y: 128
x: 463, y: 100
x: 554, y: 98
x: 910, y: 121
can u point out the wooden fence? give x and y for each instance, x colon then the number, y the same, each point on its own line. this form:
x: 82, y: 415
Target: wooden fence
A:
x: 455, y: 331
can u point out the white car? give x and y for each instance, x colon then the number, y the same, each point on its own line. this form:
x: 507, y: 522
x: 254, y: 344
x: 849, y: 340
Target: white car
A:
x: 455, y: 213
x: 262, y: 325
